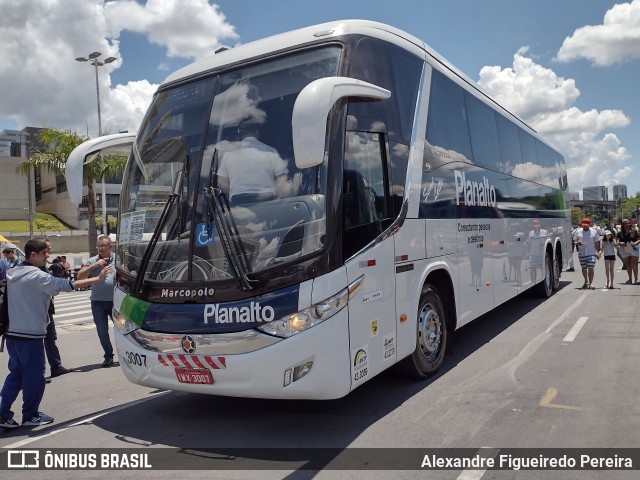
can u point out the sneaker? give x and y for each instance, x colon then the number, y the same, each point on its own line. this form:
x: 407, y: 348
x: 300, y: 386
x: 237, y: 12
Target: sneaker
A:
x: 107, y: 362
x: 60, y: 371
x: 39, y: 418
x: 8, y: 423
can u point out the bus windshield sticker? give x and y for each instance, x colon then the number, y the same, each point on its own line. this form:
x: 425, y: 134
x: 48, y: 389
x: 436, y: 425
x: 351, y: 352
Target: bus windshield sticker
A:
x: 131, y: 227
x: 205, y: 234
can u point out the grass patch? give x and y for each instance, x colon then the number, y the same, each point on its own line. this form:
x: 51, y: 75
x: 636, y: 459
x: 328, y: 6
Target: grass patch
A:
x: 43, y: 222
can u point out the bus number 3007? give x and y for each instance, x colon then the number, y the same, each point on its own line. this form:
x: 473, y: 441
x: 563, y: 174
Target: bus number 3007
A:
x: 136, y: 359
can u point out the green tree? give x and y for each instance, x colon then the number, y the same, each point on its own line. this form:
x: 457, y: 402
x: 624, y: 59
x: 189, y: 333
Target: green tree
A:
x: 53, y: 159
x: 576, y: 216
x: 629, y: 207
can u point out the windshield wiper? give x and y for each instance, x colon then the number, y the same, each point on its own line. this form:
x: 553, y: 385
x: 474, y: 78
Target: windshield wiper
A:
x: 175, y: 196
x: 232, y: 244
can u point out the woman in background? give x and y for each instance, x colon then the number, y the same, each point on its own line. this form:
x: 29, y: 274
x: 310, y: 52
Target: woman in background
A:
x: 628, y: 240
x: 609, y: 252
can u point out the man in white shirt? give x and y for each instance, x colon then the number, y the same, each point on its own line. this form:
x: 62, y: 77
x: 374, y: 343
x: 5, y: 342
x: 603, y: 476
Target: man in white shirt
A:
x: 254, y: 172
x: 588, y: 242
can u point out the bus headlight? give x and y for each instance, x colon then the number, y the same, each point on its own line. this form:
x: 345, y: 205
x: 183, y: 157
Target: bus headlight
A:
x: 122, y: 323
x: 297, y: 322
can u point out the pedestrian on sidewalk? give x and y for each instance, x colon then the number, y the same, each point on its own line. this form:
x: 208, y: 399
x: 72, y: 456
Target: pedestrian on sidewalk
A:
x: 609, y: 253
x: 628, y: 240
x: 29, y: 292
x: 588, y: 242
x: 101, y: 294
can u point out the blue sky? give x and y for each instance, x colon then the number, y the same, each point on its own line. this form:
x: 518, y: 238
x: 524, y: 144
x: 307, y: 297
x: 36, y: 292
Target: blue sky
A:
x: 568, y: 67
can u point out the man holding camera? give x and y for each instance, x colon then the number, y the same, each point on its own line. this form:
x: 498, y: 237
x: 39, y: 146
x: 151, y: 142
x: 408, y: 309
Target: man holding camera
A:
x: 101, y: 294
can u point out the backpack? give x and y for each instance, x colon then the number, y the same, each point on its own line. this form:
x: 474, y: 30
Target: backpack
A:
x: 4, y: 312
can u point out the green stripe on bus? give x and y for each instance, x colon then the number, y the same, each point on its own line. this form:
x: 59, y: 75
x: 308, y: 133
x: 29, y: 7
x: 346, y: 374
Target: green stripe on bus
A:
x: 134, y: 309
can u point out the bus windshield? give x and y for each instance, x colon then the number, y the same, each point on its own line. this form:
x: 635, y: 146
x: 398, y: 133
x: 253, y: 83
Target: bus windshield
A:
x: 212, y: 191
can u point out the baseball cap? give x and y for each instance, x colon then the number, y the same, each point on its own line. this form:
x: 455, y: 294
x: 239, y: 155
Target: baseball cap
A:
x: 586, y: 222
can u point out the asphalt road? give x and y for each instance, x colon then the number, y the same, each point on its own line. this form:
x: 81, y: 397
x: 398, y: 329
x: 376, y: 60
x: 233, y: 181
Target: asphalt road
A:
x: 560, y: 373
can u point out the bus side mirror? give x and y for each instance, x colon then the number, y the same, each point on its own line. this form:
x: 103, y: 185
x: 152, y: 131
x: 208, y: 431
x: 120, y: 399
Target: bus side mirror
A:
x: 86, y: 153
x: 309, y: 118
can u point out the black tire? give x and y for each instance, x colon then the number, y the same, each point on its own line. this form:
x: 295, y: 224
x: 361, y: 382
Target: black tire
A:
x: 557, y: 271
x: 431, y: 338
x: 545, y: 287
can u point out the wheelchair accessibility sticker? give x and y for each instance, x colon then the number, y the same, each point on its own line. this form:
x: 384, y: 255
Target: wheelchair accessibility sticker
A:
x: 205, y: 234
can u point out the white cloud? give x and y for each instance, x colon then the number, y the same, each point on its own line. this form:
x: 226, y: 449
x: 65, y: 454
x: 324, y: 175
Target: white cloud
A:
x: 528, y: 89
x: 127, y: 105
x: 617, y: 39
x: 43, y: 84
x: 593, y: 154
x: 187, y: 28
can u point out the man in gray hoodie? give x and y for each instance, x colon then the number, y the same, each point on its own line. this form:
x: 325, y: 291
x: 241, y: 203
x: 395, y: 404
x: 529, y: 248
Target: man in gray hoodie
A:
x: 29, y: 292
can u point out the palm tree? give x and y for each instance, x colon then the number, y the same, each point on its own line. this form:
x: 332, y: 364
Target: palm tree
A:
x: 53, y: 159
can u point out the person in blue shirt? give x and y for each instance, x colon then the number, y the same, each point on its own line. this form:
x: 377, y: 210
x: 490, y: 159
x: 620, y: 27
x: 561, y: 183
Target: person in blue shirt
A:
x: 101, y: 294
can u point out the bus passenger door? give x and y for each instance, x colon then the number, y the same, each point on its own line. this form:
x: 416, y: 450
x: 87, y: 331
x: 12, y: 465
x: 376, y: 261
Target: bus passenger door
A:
x: 366, y: 214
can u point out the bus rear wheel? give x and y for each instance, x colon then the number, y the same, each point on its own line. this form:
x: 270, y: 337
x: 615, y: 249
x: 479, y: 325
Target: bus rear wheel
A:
x: 545, y: 287
x: 557, y: 270
x: 431, y: 338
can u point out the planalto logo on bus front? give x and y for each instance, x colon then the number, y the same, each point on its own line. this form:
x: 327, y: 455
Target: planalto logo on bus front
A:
x: 253, y: 313
x: 474, y: 194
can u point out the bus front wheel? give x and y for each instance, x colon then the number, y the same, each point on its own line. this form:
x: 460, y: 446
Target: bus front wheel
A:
x: 431, y: 338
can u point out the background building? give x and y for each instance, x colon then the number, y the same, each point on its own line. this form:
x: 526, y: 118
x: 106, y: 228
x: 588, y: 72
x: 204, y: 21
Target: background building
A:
x: 619, y: 192
x: 597, y: 194
x: 43, y: 192
x: 17, y: 192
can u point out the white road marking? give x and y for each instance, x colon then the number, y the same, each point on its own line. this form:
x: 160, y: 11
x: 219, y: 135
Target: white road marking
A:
x: 85, y: 420
x: 484, y: 452
x: 573, y: 333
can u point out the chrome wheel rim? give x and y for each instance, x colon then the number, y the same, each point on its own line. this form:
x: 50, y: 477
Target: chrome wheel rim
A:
x: 429, y: 332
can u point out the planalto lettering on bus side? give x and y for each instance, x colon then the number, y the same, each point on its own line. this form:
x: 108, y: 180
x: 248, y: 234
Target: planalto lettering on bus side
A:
x: 474, y: 194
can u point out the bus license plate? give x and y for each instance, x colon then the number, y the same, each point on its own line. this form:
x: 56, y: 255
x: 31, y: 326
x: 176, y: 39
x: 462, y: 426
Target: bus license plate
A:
x: 194, y: 375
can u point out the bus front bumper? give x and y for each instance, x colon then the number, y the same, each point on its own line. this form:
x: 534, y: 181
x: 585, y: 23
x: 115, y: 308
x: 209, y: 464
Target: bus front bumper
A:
x: 270, y: 372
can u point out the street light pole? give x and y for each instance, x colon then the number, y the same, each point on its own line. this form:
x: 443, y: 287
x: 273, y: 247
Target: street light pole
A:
x: 93, y: 57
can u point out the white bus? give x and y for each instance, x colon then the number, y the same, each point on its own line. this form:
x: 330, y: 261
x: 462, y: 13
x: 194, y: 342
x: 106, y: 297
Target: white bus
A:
x: 407, y: 203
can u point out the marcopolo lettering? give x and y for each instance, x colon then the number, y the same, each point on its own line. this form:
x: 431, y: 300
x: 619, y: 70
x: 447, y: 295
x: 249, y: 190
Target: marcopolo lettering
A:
x: 187, y: 292
x: 252, y: 313
x: 474, y: 194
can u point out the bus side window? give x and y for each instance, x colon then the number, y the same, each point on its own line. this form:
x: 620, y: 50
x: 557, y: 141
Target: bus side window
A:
x: 365, y: 198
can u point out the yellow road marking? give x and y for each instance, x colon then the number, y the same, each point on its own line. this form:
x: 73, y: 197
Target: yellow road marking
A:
x: 548, y: 397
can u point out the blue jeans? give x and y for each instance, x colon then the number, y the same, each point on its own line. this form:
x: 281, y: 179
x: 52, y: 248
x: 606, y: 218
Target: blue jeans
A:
x: 26, y: 373
x: 101, y: 310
